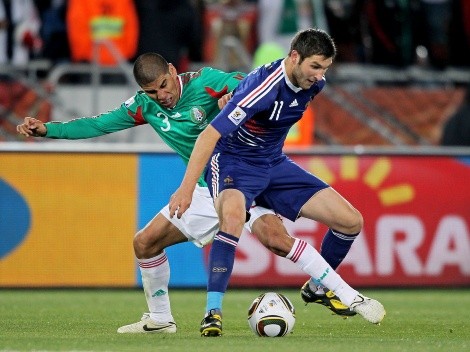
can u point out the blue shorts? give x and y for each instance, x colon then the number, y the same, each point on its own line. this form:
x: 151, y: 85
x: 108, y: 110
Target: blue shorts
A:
x: 283, y: 187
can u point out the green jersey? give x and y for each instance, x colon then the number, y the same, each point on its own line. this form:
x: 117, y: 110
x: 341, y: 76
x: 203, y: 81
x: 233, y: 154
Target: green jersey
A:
x: 178, y: 127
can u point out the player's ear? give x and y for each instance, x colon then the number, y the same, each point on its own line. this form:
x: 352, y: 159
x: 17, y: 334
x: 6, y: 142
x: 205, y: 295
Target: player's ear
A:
x: 295, y: 57
x: 172, y: 70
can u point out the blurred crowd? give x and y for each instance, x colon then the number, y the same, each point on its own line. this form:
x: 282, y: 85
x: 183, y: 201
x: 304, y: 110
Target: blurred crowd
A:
x: 233, y: 33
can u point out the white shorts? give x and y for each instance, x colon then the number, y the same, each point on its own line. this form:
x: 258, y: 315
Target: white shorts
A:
x: 200, y: 222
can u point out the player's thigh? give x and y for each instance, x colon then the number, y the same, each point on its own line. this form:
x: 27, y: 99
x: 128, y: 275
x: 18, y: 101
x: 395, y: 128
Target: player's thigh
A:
x: 332, y: 209
x: 256, y: 212
x: 160, y: 232
x: 290, y: 187
x: 231, y: 209
x: 200, y: 222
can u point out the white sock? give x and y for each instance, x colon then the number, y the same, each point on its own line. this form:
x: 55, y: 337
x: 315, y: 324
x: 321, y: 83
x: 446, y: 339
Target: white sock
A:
x: 155, y: 277
x: 313, y: 264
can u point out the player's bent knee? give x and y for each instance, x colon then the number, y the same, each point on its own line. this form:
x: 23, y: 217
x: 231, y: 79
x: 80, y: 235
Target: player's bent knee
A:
x: 348, y: 223
x: 358, y: 223
x: 139, y: 246
x: 144, y: 246
x: 353, y: 224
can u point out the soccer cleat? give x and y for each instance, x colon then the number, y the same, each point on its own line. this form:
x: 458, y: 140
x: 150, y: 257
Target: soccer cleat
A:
x: 147, y: 325
x: 371, y: 310
x: 211, y: 325
x: 329, y: 300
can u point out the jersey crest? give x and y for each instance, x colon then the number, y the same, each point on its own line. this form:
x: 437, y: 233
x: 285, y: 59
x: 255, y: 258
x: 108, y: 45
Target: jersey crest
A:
x: 198, y: 115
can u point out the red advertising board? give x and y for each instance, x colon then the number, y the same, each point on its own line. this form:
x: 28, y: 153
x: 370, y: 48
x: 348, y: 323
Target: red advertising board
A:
x: 416, y: 231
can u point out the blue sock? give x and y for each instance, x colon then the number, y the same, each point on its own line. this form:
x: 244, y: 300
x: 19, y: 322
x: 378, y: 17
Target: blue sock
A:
x: 214, y: 299
x: 221, y: 259
x: 335, y: 247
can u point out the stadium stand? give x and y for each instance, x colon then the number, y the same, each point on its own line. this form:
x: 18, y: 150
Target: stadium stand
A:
x: 383, y: 116
x: 362, y: 105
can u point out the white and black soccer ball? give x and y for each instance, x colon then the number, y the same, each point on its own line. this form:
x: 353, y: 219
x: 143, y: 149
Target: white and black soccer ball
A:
x: 271, y: 314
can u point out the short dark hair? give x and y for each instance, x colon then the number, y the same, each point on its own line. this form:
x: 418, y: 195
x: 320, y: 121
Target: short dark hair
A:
x: 148, y: 67
x: 313, y: 42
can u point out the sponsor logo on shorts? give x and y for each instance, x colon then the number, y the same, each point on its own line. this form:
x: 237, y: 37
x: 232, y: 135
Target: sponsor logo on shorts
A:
x: 228, y: 181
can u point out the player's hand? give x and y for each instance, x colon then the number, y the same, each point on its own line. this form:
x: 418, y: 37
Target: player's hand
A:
x: 224, y: 100
x: 32, y: 127
x: 180, y: 202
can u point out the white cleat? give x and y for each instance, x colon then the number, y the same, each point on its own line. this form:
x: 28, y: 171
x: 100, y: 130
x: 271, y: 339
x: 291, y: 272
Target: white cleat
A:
x: 371, y: 310
x: 147, y: 325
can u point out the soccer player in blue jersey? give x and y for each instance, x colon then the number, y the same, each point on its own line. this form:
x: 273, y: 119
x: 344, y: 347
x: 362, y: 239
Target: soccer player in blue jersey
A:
x: 242, y: 148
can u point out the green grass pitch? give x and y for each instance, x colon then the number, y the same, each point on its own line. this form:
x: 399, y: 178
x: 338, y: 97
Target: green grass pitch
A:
x: 86, y: 320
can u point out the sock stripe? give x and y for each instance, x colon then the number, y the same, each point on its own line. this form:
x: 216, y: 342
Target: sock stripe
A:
x: 224, y: 239
x: 154, y: 263
x: 301, y: 245
x: 343, y: 236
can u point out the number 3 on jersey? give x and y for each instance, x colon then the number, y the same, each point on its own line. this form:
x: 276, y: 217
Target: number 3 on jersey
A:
x: 165, y: 121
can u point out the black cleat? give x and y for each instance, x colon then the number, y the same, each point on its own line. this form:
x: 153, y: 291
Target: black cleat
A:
x: 329, y: 300
x: 211, y: 325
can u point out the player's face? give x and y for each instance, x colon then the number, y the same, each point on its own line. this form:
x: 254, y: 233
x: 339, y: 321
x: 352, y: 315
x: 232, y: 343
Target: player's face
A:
x: 165, y: 89
x: 310, y: 70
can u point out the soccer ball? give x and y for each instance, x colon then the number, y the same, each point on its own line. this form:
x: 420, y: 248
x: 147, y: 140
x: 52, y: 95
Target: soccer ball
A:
x: 271, y: 314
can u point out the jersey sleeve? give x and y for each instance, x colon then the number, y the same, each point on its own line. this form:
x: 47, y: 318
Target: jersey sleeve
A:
x: 217, y: 83
x: 128, y: 115
x: 255, y: 93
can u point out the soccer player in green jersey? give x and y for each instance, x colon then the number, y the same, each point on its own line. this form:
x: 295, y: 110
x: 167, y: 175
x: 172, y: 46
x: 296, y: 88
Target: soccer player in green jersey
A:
x: 179, y: 107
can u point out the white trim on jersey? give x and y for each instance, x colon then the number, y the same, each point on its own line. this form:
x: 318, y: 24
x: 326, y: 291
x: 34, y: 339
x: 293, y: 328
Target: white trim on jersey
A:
x: 263, y: 88
x: 181, y: 85
x: 246, y: 137
x: 288, y: 82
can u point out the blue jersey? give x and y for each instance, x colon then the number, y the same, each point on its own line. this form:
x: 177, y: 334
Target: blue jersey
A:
x: 255, y: 122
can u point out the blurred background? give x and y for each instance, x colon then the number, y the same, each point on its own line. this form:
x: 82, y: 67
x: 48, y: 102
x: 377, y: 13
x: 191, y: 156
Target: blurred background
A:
x: 391, y: 132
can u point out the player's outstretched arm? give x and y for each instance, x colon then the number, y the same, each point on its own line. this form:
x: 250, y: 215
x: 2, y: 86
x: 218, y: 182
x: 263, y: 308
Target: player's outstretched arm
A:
x: 205, y: 144
x: 32, y: 127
